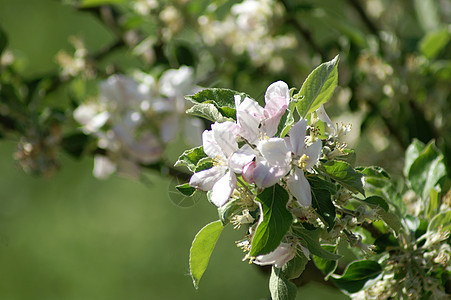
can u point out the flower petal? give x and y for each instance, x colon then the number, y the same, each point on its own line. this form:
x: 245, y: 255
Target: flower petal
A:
x: 249, y: 115
x: 210, y: 146
x: 277, y: 98
x: 279, y: 257
x: 205, y: 180
x: 275, y: 152
x: 223, y: 188
x: 322, y: 115
x: 300, y: 188
x: 225, y: 137
x: 297, y: 136
x: 240, y: 158
x: 313, y: 152
x: 265, y: 175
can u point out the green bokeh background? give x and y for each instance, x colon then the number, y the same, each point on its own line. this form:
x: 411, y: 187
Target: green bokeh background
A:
x: 75, y: 237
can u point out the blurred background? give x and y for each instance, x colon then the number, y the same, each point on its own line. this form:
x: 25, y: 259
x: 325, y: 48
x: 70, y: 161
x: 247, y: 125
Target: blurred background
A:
x: 67, y: 235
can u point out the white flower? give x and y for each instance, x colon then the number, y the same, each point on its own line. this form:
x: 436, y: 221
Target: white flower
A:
x: 220, y: 144
x: 279, y: 257
x: 305, y: 158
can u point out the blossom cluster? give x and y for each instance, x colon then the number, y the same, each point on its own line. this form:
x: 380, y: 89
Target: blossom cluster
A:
x: 133, y: 119
x: 252, y: 153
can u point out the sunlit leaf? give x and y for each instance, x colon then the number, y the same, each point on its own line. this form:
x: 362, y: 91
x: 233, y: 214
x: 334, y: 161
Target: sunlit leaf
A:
x: 280, y: 287
x: 357, y: 274
x: 201, y: 249
x: 190, y: 158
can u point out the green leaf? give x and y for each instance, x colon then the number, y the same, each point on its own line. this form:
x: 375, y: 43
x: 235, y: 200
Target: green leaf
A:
x: 203, y: 164
x: 385, y: 242
x: 190, y: 158
x: 275, y: 220
x: 427, y: 169
x: 434, y: 202
x: 310, y: 240
x: 207, y: 111
x: 442, y: 220
x: 221, y: 97
x: 321, y: 201
x: 201, y: 249
x: 322, y: 184
x: 412, y: 153
x: 357, y: 274
x: 343, y: 173
x: 427, y: 13
x: 376, y: 201
x: 228, y: 210
x: 295, y: 266
x: 75, y: 143
x: 286, y: 122
x: 327, y: 266
x: 390, y: 219
x: 318, y: 87
x: 434, y: 42
x: 3, y: 41
x: 280, y: 287
x: 186, y: 189
x: 92, y: 3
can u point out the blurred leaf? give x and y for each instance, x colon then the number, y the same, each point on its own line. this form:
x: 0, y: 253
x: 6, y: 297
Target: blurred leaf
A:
x: 412, y: 152
x: 75, y: 144
x: 295, y: 266
x: 190, y: 158
x: 327, y: 266
x: 434, y: 202
x: 442, y: 220
x: 343, y: 173
x: 357, y: 274
x: 376, y: 201
x: 433, y: 42
x: 186, y: 189
x: 3, y: 41
x: 201, y: 249
x: 441, y: 69
x: 385, y: 242
x: 318, y: 87
x: 427, y: 13
x: 310, y: 240
x: 321, y: 201
x: 280, y: 287
x: 427, y: 169
x: 391, y: 219
x: 92, y: 3
x: 274, y: 221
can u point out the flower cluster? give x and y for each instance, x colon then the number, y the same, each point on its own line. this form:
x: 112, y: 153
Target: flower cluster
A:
x: 135, y: 117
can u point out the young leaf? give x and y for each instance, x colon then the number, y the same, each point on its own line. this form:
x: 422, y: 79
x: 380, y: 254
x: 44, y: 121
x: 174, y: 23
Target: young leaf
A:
x: 190, y: 158
x: 427, y: 169
x: 442, y: 220
x: 318, y: 87
x: 327, y: 266
x: 280, y: 287
x: 227, y: 210
x: 322, y: 203
x: 343, y: 173
x: 434, y: 202
x: 357, y: 274
x: 391, y: 219
x: 412, y: 153
x: 221, y: 97
x: 376, y: 201
x: 186, y: 189
x: 311, y: 241
x: 201, y: 249
x: 207, y: 111
x: 433, y: 42
x: 294, y: 267
x: 275, y: 220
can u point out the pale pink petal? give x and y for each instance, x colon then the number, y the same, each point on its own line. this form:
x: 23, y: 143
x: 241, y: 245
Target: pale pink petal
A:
x: 277, y: 98
x: 224, y: 135
x: 223, y: 189
x: 313, y: 152
x: 248, y: 172
x: 297, y: 136
x: 210, y: 146
x: 275, y: 152
x: 300, y: 188
x: 249, y: 114
x: 279, y: 257
x: 205, y: 180
x: 265, y: 175
x: 322, y: 115
x: 240, y: 158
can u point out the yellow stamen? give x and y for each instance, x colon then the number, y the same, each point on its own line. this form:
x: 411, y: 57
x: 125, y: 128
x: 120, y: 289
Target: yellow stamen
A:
x: 303, y: 161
